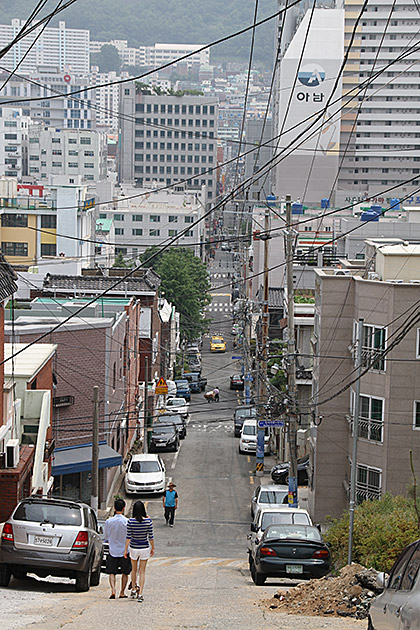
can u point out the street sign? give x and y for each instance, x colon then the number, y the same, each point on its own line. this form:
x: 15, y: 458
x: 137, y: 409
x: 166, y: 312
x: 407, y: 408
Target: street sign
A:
x: 237, y: 358
x: 161, y: 388
x: 248, y: 377
x: 270, y: 423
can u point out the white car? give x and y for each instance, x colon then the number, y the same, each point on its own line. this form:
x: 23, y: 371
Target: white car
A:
x: 266, y: 516
x: 145, y: 473
x: 269, y: 495
x: 248, y: 439
x: 177, y: 406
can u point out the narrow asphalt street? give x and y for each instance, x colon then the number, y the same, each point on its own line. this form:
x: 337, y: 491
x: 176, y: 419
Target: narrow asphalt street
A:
x: 199, y: 577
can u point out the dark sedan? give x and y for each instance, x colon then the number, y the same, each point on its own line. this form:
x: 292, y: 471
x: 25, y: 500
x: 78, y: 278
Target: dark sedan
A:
x: 280, y: 472
x: 176, y: 419
x: 289, y: 551
x: 164, y: 436
x: 237, y: 382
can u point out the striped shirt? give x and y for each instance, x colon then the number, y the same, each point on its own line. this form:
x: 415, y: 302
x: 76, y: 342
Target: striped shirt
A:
x: 139, y: 534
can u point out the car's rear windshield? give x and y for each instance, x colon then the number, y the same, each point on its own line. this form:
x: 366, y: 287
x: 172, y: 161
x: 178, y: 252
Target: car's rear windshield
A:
x: 48, y: 513
x: 250, y: 429
x: 176, y: 402
x: 272, y: 496
x: 284, y: 518
x: 292, y: 531
x: 248, y: 412
x: 167, y: 428
x: 182, y: 383
x: 217, y: 340
x: 144, y: 467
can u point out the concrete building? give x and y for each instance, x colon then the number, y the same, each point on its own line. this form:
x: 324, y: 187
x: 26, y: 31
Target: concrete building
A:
x: 44, y: 97
x: 389, y: 420
x: 256, y: 132
x: 66, y: 48
x: 380, y: 123
x: 107, y: 98
x: 13, y: 142
x: 37, y: 221
x: 156, y: 55
x: 72, y: 152
x: 143, y: 218
x: 168, y: 139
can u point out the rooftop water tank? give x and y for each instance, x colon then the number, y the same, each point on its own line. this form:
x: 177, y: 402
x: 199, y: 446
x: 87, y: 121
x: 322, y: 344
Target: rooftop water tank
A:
x: 271, y: 200
x: 369, y: 215
x: 376, y: 208
x: 297, y: 208
x: 395, y: 204
x: 325, y: 202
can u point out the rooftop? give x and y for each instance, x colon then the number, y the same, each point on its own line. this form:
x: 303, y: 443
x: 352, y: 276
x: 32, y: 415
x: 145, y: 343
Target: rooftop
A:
x: 140, y: 281
x: 29, y: 362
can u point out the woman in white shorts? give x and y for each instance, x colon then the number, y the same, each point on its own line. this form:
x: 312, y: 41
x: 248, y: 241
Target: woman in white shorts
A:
x: 140, y: 545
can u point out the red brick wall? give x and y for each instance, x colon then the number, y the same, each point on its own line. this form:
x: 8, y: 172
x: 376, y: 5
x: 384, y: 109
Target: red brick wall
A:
x: 1, y: 359
x: 15, y: 482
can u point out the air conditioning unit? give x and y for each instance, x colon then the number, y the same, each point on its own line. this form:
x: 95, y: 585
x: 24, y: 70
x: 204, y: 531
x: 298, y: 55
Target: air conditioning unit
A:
x: 372, y: 275
x: 395, y: 281
x: 414, y: 281
x: 341, y: 272
x: 12, y: 453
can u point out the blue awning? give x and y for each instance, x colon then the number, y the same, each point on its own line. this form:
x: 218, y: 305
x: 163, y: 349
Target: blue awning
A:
x: 79, y: 459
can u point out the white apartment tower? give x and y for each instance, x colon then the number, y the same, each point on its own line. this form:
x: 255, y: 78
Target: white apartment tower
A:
x: 65, y: 48
x: 381, y: 124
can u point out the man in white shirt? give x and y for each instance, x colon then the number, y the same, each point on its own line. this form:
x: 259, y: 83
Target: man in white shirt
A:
x: 115, y: 533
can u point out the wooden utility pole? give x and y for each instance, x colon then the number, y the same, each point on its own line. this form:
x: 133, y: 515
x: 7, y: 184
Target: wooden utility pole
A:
x: 94, y: 501
x: 291, y: 361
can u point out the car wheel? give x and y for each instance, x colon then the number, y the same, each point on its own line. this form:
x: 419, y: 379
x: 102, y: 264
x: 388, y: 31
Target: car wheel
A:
x: 240, y: 451
x: 250, y: 561
x: 83, y: 580
x: 370, y: 624
x: 95, y: 578
x: 5, y: 575
x: 20, y: 575
x: 257, y: 578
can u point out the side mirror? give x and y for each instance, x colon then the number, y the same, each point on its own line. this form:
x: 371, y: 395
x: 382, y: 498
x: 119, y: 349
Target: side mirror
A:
x: 318, y: 526
x: 253, y: 527
x: 381, y: 579
x: 328, y: 544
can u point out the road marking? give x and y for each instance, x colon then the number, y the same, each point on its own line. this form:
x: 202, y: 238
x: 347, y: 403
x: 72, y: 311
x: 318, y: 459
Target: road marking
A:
x: 175, y: 457
x: 251, y: 480
x: 231, y: 563
x: 248, y: 459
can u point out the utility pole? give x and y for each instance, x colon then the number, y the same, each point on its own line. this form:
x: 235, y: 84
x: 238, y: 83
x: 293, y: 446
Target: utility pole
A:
x: 95, y: 451
x: 356, y: 413
x: 291, y: 359
x: 146, y: 404
x: 264, y: 342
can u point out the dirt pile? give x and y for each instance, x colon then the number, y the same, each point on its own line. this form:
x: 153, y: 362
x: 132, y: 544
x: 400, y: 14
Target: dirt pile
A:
x: 347, y: 595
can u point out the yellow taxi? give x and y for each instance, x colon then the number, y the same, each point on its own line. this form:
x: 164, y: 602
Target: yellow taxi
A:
x: 217, y: 344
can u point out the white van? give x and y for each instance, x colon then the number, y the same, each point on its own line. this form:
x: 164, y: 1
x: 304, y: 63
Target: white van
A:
x: 248, y: 439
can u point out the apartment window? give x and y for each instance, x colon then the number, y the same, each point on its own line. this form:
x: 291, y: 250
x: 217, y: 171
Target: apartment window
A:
x: 57, y: 164
x: 154, y: 232
x: 368, y: 483
x: 33, y: 140
x: 188, y: 233
x: 155, y: 218
x: 10, y: 123
x: 373, y: 343
x: 118, y: 217
x: 137, y: 232
x: 56, y: 140
x: 73, y: 153
x: 89, y: 165
x: 189, y: 219
x: 48, y: 221
x: 71, y: 140
x: 84, y: 140
x: 172, y: 232
x: 73, y: 164
x: 48, y: 249
x: 416, y: 415
x: 14, y: 220
x: 137, y: 217
x: 10, y: 136
x: 14, y: 249
x: 89, y: 154
x: 173, y: 218
x: 119, y: 231
x: 57, y: 152
x: 371, y: 419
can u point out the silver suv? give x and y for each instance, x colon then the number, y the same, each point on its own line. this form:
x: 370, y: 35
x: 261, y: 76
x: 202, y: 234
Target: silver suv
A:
x: 57, y: 537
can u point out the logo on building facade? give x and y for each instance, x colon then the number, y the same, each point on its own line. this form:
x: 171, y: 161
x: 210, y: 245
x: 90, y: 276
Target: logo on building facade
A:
x: 311, y: 75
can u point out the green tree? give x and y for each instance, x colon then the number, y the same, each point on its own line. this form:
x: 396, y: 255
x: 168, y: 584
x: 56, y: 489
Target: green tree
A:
x: 119, y: 261
x: 185, y: 283
x: 108, y: 58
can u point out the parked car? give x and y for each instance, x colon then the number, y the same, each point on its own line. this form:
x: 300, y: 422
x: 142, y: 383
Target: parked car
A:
x: 398, y: 606
x: 194, y: 378
x: 177, y: 405
x: 237, y: 382
x: 269, y: 496
x: 183, y: 389
x: 217, y: 344
x: 280, y: 472
x: 240, y: 414
x: 145, y: 473
x: 175, y: 419
x: 236, y: 328
x: 289, y: 551
x: 248, y: 438
x: 266, y: 516
x: 164, y: 436
x: 56, y: 537
x: 105, y: 544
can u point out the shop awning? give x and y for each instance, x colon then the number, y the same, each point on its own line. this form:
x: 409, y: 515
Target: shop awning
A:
x: 79, y: 459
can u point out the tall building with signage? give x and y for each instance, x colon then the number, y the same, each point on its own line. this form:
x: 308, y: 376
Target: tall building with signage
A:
x: 306, y: 85
x: 167, y: 139
x: 380, y: 123
x: 66, y: 48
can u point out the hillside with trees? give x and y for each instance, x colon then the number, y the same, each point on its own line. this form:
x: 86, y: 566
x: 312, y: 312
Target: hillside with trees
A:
x: 146, y: 22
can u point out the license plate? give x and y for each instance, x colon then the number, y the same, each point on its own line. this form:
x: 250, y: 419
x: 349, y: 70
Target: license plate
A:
x: 46, y: 541
x: 294, y: 568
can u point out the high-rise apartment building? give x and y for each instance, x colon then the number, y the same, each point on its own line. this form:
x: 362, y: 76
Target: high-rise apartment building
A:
x: 168, y: 139
x: 156, y: 55
x: 66, y: 48
x: 380, y: 128
x: 13, y: 142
